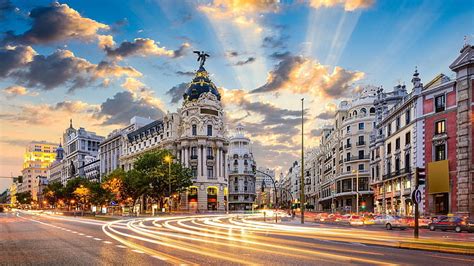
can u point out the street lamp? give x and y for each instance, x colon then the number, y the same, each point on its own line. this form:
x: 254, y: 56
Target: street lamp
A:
x: 357, y: 190
x: 169, y: 159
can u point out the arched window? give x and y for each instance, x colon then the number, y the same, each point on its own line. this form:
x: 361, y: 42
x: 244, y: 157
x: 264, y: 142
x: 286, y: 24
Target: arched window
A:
x: 363, y: 111
x: 194, y: 130
x: 372, y: 110
x: 354, y: 113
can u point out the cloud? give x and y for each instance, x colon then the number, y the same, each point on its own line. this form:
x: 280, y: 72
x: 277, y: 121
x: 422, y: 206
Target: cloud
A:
x: 143, y: 47
x: 275, y: 41
x: 58, y: 69
x: 55, y: 23
x: 15, y: 90
x: 329, y: 112
x: 14, y: 57
x: 5, y: 7
x: 122, y: 106
x: 299, y: 74
x: 132, y: 84
x: 46, y: 114
x: 185, y: 73
x: 177, y: 92
x: 280, y: 55
x: 349, y: 5
x: 246, y: 61
x: 232, y: 53
x: 15, y: 142
x: 317, y: 132
x: 106, y: 41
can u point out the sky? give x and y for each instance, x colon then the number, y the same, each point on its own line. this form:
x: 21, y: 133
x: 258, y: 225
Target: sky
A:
x: 102, y: 62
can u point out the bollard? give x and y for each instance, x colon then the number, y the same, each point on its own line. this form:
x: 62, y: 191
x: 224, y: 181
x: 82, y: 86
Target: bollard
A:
x: 264, y: 216
x: 276, y: 217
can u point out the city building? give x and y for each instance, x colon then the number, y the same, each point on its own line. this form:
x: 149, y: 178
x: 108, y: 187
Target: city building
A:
x: 343, y: 157
x: 264, y: 187
x: 399, y: 151
x: 112, y: 147
x: 196, y: 135
x: 463, y: 65
x: 36, y: 160
x: 91, y: 169
x: 242, y: 179
x: 290, y: 185
x: 57, y: 169
x: 78, y: 143
x: 13, y: 190
x: 311, y: 169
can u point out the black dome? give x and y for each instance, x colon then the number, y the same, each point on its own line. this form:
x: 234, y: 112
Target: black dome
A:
x: 199, y: 85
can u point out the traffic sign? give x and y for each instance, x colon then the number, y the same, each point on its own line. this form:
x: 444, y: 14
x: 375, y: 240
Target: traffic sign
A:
x: 416, y: 196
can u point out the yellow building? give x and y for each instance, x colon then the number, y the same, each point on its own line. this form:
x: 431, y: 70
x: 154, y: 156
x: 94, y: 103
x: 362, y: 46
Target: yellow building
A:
x: 37, y: 158
x: 13, y: 190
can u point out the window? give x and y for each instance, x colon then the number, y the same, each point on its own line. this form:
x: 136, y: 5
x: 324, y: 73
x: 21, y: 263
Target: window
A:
x: 407, y: 162
x: 361, y: 167
x: 440, y: 103
x: 389, y: 129
x: 210, y: 172
x: 440, y: 127
x: 361, y: 154
x: 440, y: 152
x: 348, y: 168
x: 372, y: 110
x: 408, y: 138
x: 389, y: 148
x: 193, y: 151
x: 397, y: 164
x: 209, y: 151
x: 397, y: 123
x: 361, y: 126
x: 194, y: 171
x: 348, y: 129
x: 348, y: 156
x: 194, y: 130
x: 209, y: 130
x: 397, y: 144
x: 407, y: 117
x: 361, y: 140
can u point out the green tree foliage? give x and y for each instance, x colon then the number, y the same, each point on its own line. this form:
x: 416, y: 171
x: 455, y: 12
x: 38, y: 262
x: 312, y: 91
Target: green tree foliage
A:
x: 24, y: 197
x: 53, y: 192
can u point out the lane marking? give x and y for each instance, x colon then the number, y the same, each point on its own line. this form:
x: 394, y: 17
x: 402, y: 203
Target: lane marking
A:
x: 107, y: 242
x: 89, y: 236
x: 138, y: 251
x: 81, y: 234
x: 120, y: 246
x: 96, y: 238
x: 158, y: 257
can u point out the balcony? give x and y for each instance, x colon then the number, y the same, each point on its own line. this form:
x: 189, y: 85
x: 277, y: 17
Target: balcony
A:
x: 396, y: 173
x: 210, y: 157
x: 347, y: 146
x: 327, y: 159
x: 356, y: 158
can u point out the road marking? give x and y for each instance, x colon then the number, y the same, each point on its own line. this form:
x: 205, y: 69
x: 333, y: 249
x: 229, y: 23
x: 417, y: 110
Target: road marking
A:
x: 74, y: 232
x: 120, y: 246
x: 138, y: 251
x: 158, y: 257
x: 81, y: 234
x: 96, y: 238
x: 107, y: 242
x: 89, y: 236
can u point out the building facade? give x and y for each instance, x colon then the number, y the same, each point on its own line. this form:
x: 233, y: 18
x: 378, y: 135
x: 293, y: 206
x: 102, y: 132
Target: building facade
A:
x: 78, y: 144
x: 242, y: 194
x: 112, y: 147
x: 196, y: 135
x: 36, y: 160
x: 264, y: 187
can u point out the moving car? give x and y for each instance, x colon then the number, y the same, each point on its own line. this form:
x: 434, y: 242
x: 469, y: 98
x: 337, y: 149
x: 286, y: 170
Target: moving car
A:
x: 356, y: 220
x: 457, y: 224
x: 392, y: 221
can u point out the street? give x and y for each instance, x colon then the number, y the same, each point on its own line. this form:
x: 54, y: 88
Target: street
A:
x: 31, y: 239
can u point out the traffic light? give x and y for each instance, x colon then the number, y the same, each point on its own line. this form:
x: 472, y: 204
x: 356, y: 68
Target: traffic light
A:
x: 420, y: 176
x: 363, y: 205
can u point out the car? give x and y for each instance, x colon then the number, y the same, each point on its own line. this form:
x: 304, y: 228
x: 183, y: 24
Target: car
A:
x: 458, y: 224
x: 380, y: 219
x: 368, y: 219
x: 356, y: 220
x: 393, y: 221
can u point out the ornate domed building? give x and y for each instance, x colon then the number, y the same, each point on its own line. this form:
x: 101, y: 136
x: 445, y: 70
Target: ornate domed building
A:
x: 196, y: 135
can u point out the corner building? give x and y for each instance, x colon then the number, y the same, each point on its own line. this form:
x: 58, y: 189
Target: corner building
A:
x: 195, y: 134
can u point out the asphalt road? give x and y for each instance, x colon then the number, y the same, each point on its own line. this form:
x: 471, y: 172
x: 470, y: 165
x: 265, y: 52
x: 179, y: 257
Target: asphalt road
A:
x: 27, y: 239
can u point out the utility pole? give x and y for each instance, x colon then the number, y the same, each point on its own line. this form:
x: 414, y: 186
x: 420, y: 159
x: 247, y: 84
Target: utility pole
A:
x: 302, y: 162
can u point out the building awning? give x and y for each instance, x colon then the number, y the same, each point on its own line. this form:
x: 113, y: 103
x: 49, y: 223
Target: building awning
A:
x: 438, y: 177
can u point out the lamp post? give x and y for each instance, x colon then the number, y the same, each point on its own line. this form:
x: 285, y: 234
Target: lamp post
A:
x: 168, y: 159
x: 302, y: 163
x: 357, y: 190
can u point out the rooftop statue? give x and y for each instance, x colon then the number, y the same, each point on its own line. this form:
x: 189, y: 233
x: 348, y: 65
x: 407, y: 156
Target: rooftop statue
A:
x: 201, y: 57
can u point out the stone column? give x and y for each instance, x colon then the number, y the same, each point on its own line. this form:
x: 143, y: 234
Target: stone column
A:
x: 199, y: 166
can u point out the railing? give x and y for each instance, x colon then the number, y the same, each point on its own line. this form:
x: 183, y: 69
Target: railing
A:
x: 396, y: 173
x: 360, y: 143
x: 347, y: 146
x: 327, y: 170
x: 327, y: 159
x: 355, y: 158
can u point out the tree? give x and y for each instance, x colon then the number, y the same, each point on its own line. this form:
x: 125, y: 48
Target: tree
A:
x: 24, y: 197
x: 99, y: 195
x: 53, y: 192
x: 113, y: 184
x: 165, y: 178
x: 135, y: 184
x: 72, y: 185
